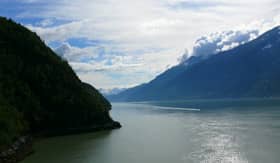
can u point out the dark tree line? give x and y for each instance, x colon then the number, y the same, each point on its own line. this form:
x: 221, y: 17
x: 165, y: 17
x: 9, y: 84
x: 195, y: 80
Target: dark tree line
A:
x: 39, y: 91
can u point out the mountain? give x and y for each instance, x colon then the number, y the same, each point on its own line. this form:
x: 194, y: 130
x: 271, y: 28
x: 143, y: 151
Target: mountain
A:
x: 113, y: 91
x: 39, y: 91
x: 249, y: 70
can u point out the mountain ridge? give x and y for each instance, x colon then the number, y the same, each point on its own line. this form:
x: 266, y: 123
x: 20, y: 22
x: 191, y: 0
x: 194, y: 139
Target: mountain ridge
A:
x: 239, y: 72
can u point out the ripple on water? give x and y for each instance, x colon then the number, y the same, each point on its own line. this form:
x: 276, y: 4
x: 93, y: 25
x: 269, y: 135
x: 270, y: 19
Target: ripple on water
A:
x: 218, y: 143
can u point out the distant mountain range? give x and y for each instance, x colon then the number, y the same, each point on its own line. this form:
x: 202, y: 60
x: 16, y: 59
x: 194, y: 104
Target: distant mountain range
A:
x: 113, y: 91
x: 249, y: 70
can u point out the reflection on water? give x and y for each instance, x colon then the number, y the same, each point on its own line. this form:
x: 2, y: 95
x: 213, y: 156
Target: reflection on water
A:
x: 158, y: 134
x: 218, y: 143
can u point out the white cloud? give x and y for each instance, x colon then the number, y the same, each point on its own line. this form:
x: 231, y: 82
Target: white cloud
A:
x: 220, y: 41
x: 58, y: 33
x: 45, y: 22
x: 133, y: 26
x: 76, y: 54
x: 118, y: 70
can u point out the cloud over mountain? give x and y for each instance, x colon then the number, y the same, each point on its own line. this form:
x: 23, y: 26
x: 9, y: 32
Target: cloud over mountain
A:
x: 150, y: 33
x: 96, y: 64
x: 71, y: 53
x: 220, y: 41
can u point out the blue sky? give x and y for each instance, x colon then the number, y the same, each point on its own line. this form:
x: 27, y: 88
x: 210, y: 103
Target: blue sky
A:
x: 123, y: 43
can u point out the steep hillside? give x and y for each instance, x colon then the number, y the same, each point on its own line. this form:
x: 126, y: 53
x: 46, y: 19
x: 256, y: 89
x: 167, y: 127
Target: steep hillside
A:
x: 39, y: 91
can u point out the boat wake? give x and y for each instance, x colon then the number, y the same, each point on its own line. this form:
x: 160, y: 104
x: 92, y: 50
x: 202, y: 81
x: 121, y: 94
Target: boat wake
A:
x: 174, y: 108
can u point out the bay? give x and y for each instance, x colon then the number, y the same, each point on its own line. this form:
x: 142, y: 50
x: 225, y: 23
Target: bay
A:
x: 175, y: 132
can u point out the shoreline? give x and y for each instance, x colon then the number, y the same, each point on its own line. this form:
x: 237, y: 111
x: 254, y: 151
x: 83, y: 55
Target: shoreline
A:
x: 23, y: 146
x: 71, y: 131
x: 20, y: 149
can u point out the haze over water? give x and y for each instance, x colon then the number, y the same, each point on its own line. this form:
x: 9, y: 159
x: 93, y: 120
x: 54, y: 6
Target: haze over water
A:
x: 158, y: 134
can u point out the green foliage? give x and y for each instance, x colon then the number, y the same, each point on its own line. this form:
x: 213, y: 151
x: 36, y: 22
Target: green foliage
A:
x: 40, y: 88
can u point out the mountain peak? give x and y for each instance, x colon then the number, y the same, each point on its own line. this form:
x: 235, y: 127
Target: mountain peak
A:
x: 249, y: 70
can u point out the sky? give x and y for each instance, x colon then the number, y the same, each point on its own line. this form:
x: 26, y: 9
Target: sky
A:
x: 123, y: 43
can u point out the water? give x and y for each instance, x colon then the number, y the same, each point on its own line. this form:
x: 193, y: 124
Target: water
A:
x: 170, y: 134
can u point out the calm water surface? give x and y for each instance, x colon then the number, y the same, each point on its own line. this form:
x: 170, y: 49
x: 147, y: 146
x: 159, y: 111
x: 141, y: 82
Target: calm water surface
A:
x: 157, y: 134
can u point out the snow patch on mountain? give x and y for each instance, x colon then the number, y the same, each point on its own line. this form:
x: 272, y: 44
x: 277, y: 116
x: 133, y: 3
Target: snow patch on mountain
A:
x: 268, y: 46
